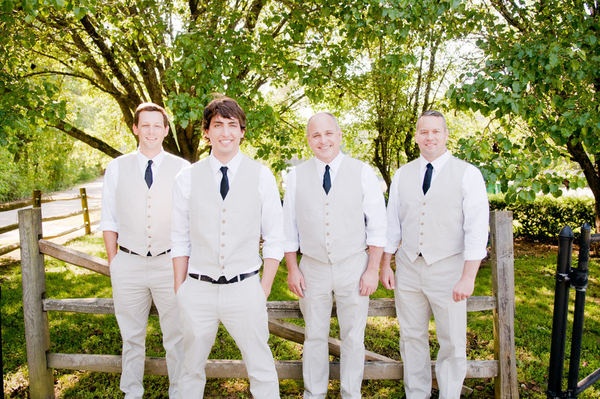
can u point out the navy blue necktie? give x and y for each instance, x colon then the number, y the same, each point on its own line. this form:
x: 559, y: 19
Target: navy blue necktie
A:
x: 148, y: 174
x: 326, y: 180
x: 224, y: 182
x: 427, y: 179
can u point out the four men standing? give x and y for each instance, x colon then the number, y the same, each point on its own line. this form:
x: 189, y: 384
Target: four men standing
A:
x: 226, y: 213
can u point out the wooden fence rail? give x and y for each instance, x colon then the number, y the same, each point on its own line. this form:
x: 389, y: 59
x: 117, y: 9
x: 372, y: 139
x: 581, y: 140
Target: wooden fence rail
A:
x: 41, y: 361
x: 36, y: 201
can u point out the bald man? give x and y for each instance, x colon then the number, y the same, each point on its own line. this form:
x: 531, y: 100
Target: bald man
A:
x: 339, y: 226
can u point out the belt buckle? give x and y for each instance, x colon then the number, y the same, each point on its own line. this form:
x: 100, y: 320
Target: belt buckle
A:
x: 221, y: 280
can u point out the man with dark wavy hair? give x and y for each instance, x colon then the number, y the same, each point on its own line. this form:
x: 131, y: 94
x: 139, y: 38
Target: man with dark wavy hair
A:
x: 223, y: 206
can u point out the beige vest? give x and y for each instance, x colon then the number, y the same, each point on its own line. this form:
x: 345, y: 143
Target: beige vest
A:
x: 225, y: 234
x: 331, y: 227
x: 432, y: 224
x: 144, y: 215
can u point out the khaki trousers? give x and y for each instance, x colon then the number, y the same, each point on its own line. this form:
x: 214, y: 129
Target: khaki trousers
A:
x: 323, y: 282
x: 242, y: 308
x: 423, y: 290
x: 136, y: 282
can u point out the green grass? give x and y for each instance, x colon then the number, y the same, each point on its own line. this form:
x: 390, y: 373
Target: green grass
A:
x: 99, y: 334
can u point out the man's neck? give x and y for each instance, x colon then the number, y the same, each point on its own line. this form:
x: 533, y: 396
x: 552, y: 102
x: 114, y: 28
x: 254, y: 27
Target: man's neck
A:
x: 150, y: 153
x: 224, y: 159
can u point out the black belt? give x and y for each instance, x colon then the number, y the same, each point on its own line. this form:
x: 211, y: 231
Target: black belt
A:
x: 129, y: 251
x: 222, y: 279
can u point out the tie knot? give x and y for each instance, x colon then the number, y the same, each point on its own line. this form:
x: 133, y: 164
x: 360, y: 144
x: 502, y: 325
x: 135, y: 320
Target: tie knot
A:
x: 429, y: 166
x: 327, y: 168
x: 224, y: 170
x: 150, y: 162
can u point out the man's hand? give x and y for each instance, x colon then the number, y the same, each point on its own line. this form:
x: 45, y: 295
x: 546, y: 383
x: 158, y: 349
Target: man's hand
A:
x: 386, y: 274
x: 295, y: 280
x: 369, y: 282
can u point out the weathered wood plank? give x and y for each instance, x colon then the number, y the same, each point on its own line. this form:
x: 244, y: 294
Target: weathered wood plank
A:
x: 295, y: 333
x: 75, y: 257
x: 59, y: 217
x: 37, y: 332
x: 286, y: 369
x: 8, y: 228
x: 9, y: 248
x: 277, y: 309
x: 503, y: 287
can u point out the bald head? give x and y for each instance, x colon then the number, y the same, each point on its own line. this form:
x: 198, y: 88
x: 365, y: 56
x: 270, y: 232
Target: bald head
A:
x: 324, y: 136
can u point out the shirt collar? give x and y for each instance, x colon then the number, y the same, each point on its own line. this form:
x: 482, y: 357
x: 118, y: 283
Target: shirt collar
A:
x: 143, y: 160
x: 333, y: 165
x: 437, y: 163
x: 232, y: 165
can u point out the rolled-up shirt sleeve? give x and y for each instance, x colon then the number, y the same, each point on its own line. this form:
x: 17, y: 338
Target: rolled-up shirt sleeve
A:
x: 271, y: 217
x: 108, y: 219
x: 476, y: 214
x: 290, y: 230
x: 394, y: 228
x: 180, y: 221
x: 373, y: 208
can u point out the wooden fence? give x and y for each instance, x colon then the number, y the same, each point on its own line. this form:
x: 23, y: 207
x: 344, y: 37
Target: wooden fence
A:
x: 41, y: 361
x: 36, y: 202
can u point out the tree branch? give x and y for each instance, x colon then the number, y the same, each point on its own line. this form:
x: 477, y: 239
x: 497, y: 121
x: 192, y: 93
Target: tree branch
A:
x: 86, y: 138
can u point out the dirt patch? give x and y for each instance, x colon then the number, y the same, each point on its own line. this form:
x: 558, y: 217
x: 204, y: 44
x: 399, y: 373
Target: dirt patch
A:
x: 528, y: 247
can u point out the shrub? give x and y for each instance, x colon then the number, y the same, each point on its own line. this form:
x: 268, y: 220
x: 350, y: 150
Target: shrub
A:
x: 542, y: 219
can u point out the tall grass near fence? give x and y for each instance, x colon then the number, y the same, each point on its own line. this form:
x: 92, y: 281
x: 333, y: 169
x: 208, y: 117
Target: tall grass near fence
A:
x: 85, y: 333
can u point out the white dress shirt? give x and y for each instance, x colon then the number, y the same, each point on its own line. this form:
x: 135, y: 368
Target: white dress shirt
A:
x: 108, y: 220
x: 271, y: 228
x: 475, y: 209
x: 373, y: 204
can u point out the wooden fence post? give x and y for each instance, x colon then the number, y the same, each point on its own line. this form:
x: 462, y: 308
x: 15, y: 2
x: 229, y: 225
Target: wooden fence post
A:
x: 85, y: 209
x: 36, y: 199
x: 503, y: 287
x: 37, y: 332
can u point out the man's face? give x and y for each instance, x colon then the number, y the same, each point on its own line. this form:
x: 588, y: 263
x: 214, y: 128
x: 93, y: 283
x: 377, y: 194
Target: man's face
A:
x: 151, y: 131
x: 431, y: 137
x: 324, y: 137
x: 224, y: 135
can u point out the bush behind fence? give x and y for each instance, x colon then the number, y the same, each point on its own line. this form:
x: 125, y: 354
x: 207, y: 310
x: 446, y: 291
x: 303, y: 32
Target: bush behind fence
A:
x: 542, y: 219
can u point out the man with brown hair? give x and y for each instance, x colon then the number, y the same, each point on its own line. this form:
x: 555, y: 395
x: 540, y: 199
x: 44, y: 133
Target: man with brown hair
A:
x: 437, y: 228
x: 136, y: 220
x: 223, y: 206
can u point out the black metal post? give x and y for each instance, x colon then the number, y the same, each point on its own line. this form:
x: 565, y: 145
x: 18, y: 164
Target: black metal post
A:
x: 579, y: 281
x: 559, y: 322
